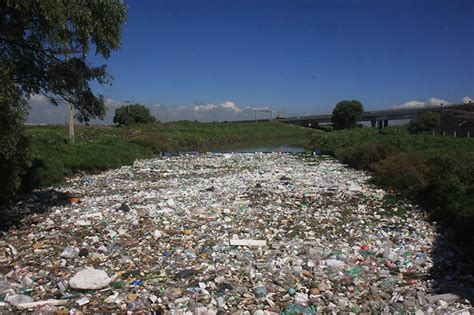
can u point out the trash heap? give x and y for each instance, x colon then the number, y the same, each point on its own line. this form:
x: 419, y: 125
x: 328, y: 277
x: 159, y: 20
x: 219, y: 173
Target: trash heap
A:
x: 226, y: 233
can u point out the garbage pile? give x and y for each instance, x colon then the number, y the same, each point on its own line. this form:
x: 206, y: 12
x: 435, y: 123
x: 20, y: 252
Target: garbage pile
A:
x: 225, y: 233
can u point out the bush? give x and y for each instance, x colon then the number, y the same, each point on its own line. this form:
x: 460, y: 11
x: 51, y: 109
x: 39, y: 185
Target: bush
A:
x: 435, y: 171
x: 15, y: 155
x: 133, y: 114
x: 346, y: 114
x: 424, y: 122
x: 365, y: 155
x: 404, y: 172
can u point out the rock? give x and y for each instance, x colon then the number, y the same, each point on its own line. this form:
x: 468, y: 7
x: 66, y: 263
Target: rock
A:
x: 69, y: 252
x: 83, y: 252
x: 90, y: 279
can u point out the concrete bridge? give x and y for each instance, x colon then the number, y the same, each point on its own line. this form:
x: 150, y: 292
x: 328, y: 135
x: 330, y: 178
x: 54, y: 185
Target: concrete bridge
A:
x: 377, y: 118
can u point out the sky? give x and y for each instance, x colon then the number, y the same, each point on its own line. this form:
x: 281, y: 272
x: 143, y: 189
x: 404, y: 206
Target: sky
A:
x: 220, y: 60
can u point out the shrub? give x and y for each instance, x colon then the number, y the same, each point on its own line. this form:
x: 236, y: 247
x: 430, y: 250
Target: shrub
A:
x: 133, y: 114
x: 367, y: 154
x: 403, y: 171
x: 424, y: 122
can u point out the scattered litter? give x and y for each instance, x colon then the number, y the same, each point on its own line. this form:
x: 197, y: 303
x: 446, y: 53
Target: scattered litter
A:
x: 212, y: 233
x: 237, y: 242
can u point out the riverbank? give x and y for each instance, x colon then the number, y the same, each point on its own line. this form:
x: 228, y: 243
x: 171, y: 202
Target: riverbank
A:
x: 100, y: 148
x: 434, y: 170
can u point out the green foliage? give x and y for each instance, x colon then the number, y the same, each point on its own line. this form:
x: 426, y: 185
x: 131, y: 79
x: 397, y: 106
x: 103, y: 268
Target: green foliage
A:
x: 14, y: 152
x: 346, y: 114
x: 133, y: 114
x: 402, y: 171
x: 35, y: 36
x: 99, y: 148
x: 365, y: 155
x: 424, y: 122
x: 436, y: 171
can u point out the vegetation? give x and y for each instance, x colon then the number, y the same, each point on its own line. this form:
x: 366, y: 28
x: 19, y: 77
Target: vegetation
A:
x: 346, y: 114
x: 98, y: 147
x: 436, y: 171
x: 14, y: 153
x: 43, y: 48
x: 424, y: 122
x: 44, y: 45
x: 133, y: 114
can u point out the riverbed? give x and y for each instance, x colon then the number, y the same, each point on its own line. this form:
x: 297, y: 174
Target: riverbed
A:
x: 210, y: 233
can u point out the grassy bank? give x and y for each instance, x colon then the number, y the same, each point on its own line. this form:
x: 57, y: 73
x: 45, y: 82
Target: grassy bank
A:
x: 437, y: 171
x: 99, y: 148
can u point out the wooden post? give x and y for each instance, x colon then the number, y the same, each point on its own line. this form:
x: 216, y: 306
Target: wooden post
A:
x: 455, y: 134
x: 433, y: 132
x: 468, y: 134
x: 444, y: 133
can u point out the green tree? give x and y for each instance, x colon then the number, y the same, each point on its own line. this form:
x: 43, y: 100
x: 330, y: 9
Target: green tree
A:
x: 133, y: 114
x: 424, y: 122
x: 14, y: 150
x: 44, y: 45
x: 43, y: 50
x: 346, y: 114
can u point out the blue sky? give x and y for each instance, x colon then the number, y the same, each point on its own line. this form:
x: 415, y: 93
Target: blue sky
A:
x: 295, y: 57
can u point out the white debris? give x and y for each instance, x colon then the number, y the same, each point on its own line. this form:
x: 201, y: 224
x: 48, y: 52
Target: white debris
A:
x: 90, y: 279
x: 245, y: 242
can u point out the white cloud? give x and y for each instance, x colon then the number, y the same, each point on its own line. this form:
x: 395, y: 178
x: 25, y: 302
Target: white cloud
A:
x: 38, y: 99
x: 112, y: 103
x: 225, y: 111
x: 433, y: 101
x: 467, y: 99
x: 227, y: 105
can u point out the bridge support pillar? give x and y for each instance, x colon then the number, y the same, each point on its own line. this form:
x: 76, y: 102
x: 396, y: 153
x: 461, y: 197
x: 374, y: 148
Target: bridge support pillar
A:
x: 372, y: 123
x: 385, y: 123
x: 379, y: 124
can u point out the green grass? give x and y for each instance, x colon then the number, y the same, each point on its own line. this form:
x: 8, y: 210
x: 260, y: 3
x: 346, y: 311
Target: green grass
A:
x: 99, y: 147
x: 437, y: 171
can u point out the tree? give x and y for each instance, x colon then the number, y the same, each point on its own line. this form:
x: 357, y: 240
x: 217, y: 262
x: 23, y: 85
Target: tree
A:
x: 424, y: 122
x: 44, y: 45
x: 43, y: 50
x: 15, y: 155
x: 133, y: 114
x: 346, y: 114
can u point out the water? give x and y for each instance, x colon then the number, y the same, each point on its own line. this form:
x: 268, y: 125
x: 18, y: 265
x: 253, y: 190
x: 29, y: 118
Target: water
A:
x: 266, y: 149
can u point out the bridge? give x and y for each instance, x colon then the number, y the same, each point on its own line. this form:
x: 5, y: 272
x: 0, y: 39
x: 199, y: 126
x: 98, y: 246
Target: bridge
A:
x: 377, y: 118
